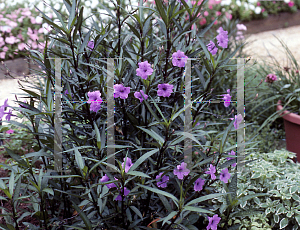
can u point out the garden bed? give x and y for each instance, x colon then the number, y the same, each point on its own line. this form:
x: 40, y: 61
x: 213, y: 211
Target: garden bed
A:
x: 273, y: 22
x: 17, y: 67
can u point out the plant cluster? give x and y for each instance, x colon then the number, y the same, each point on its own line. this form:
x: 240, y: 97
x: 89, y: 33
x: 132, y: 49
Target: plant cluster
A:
x: 276, y: 174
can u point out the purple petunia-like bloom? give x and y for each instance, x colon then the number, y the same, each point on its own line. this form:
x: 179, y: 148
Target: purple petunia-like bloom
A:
x: 212, y: 171
x: 95, y: 100
x: 9, y: 114
x: 138, y: 95
x: 144, y: 70
x: 213, y: 222
x: 230, y: 158
x: 181, y: 171
x: 128, y: 164
x: 121, y: 91
x: 162, y: 181
x: 222, y: 38
x: 164, y: 90
x: 126, y: 192
x: 225, y: 175
x: 10, y: 131
x: 5, y: 103
x: 212, y: 48
x: 271, y: 78
x: 227, y: 98
x: 91, y: 45
x: 105, y: 178
x: 199, y: 184
x: 179, y: 59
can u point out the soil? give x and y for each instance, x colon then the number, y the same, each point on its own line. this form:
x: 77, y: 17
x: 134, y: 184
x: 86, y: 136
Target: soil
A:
x: 273, y: 22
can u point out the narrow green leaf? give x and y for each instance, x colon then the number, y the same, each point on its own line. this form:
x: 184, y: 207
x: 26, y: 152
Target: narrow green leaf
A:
x: 207, y: 197
x: 79, y: 159
x: 155, y: 190
x: 142, y: 159
x: 196, y: 209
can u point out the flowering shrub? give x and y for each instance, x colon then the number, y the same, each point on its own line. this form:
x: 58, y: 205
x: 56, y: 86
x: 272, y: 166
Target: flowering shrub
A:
x: 151, y: 185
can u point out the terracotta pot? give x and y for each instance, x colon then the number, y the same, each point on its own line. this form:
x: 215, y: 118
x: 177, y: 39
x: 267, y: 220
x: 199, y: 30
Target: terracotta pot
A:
x: 292, y: 131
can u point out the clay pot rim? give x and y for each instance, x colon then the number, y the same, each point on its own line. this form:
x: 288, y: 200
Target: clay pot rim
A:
x: 291, y: 117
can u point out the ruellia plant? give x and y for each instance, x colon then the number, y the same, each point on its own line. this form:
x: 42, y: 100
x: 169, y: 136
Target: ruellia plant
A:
x: 150, y: 185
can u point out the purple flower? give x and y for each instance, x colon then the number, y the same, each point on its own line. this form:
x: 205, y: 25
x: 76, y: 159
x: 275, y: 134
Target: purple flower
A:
x: 144, y: 70
x: 225, y: 175
x: 199, y: 184
x: 164, y: 90
x: 9, y: 114
x: 105, y: 179
x: 237, y: 120
x: 10, y: 131
x: 138, y: 95
x: 67, y: 92
x: 213, y: 222
x: 227, y: 98
x: 181, y: 171
x: 222, y: 38
x: 212, y: 171
x: 230, y: 158
x: 121, y: 91
x: 95, y: 100
x: 212, y: 48
x: 179, y: 59
x: 5, y: 103
x: 162, y: 181
x: 91, y: 45
x: 128, y: 164
x: 126, y: 192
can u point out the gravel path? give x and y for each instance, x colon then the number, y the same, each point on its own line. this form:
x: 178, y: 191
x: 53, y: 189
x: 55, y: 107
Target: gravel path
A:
x: 263, y: 42
x: 258, y: 49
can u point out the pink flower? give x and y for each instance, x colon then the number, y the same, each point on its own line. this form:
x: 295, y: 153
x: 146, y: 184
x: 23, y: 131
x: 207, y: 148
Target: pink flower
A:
x: 262, y: 10
x: 291, y: 4
x: 2, y: 55
x: 258, y: 4
x: 206, y: 14
x: 202, y: 21
x: 20, y: 36
x: 10, y: 40
x: 241, y: 27
x: 32, y: 20
x: 20, y: 19
x: 5, y: 49
x: 26, y: 13
x: 41, y: 45
x: 218, y: 13
x: 33, y: 34
x: 10, y: 131
x: 210, y: 7
x: 228, y: 15
x: 34, y: 45
x: 12, y: 24
x: 216, y: 22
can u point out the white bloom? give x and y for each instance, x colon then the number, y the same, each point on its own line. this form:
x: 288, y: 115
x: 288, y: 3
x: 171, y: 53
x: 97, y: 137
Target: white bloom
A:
x: 286, y: 1
x: 252, y: 1
x: 257, y: 10
x: 94, y: 3
x: 38, y: 20
x: 238, y: 2
x: 252, y: 7
x: 246, y: 6
x: 88, y: 3
x: 225, y: 2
